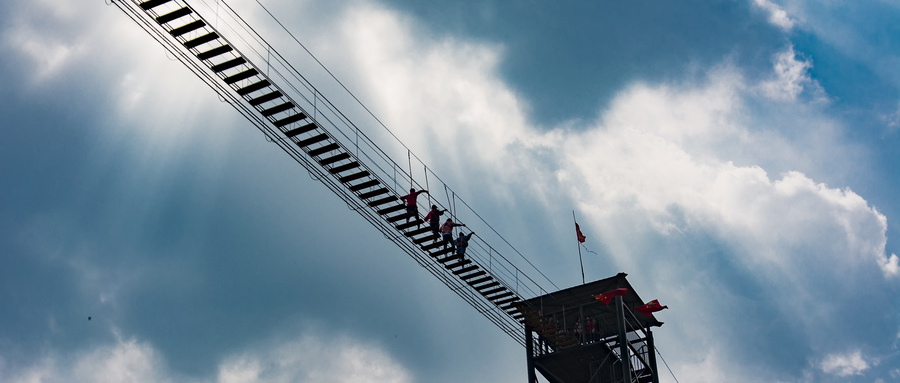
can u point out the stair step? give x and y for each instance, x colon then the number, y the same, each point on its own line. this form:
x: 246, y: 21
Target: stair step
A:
x: 424, y: 239
x: 253, y: 87
x: 265, y: 98
x: 415, y: 222
x: 333, y: 159
x: 240, y: 76
x: 354, y: 176
x: 147, y: 5
x: 277, y: 109
x: 473, y: 275
x: 416, y: 232
x: 373, y: 193
x: 501, y: 296
x: 450, y: 258
x: 482, y: 280
x: 289, y: 119
x: 300, y: 130
x: 399, y: 217
x: 383, y: 201
x: 440, y: 252
x: 324, y: 149
x: 192, y: 26
x: 211, y: 36
x: 220, y: 50
x: 344, y: 167
x: 487, y: 286
x: 312, y: 140
x: 432, y: 246
x: 465, y: 270
x: 392, y: 209
x: 493, y: 291
x: 510, y: 306
x: 364, y: 185
x: 178, y: 13
x: 457, y: 264
x: 228, y: 64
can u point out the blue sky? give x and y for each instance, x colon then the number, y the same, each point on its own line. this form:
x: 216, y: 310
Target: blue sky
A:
x: 736, y: 158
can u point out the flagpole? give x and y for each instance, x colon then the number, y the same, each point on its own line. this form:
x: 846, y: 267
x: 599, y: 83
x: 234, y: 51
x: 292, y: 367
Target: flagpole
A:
x: 579, y: 248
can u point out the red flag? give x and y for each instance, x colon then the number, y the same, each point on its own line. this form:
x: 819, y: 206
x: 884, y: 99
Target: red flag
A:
x: 609, y: 295
x: 581, y: 237
x: 650, y: 308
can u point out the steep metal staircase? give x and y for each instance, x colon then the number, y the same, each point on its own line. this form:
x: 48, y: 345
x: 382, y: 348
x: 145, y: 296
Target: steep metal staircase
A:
x: 281, y: 103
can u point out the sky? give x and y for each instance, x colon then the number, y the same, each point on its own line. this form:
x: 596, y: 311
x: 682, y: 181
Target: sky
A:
x: 736, y: 158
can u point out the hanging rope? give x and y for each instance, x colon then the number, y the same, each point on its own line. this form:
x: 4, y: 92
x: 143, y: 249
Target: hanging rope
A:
x: 409, y: 158
x: 426, y: 185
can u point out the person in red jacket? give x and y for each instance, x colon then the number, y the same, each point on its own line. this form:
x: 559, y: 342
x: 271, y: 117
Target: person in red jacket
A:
x: 412, y: 211
x: 433, y: 219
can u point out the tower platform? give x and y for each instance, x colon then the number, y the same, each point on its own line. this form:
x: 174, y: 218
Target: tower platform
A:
x: 602, y: 335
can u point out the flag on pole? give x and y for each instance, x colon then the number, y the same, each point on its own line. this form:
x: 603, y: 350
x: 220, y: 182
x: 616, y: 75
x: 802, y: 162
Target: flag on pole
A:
x: 650, y: 308
x: 609, y: 295
x: 581, y: 237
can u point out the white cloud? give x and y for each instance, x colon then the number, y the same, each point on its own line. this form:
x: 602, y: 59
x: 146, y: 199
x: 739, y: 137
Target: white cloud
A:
x: 313, y: 359
x: 791, y: 78
x: 309, y: 359
x: 777, y: 15
x: 843, y: 365
x: 663, y: 160
x: 125, y: 361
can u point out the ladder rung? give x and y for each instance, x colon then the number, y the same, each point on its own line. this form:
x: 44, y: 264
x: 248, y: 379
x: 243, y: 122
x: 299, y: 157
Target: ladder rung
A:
x: 352, y: 177
x: 433, y: 246
x: 450, y: 258
x: 500, y: 296
x: 241, y: 76
x: 322, y: 150
x: 289, y: 119
x: 398, y: 217
x: 312, y: 140
x: 178, y: 13
x: 473, y: 275
x: 344, y: 168
x: 440, y: 252
x: 187, y: 28
x: 382, y: 201
x: 373, y: 193
x: 419, y: 241
x: 416, y: 222
x: 228, y: 64
x: 253, y: 87
x: 214, y: 52
x: 391, y: 210
x: 277, y: 109
x: 364, y: 185
x: 147, y: 5
x: 458, y: 264
x: 300, y: 130
x: 487, y: 286
x: 482, y: 280
x: 493, y: 291
x: 417, y: 232
x: 211, y: 36
x: 465, y: 270
x: 265, y: 98
x: 333, y: 159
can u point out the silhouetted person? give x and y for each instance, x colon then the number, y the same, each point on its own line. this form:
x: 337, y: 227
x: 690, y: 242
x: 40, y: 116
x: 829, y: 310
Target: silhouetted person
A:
x: 447, y: 232
x: 412, y: 211
x: 433, y: 219
x: 462, y: 243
